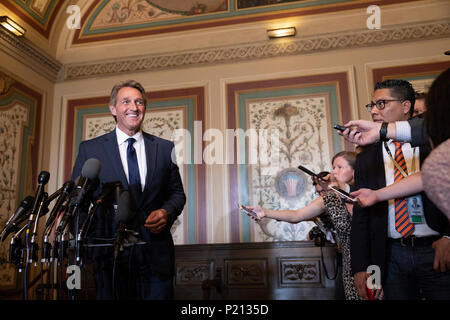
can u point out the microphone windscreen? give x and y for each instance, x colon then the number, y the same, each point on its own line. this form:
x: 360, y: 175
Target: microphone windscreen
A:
x: 43, y: 177
x: 91, y: 168
x: 123, y: 207
x: 27, y: 202
x: 68, y: 186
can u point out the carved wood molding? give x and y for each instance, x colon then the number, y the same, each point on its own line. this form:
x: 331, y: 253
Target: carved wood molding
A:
x: 265, y: 49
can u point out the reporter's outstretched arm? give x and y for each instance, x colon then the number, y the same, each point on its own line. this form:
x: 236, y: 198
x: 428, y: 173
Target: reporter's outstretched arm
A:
x: 405, y: 187
x: 313, y: 209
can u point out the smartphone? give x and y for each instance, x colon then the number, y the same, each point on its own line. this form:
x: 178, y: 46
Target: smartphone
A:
x: 341, y: 192
x: 339, y: 127
x: 249, y: 211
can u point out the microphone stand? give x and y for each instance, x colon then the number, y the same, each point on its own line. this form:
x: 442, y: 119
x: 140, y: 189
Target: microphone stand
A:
x: 34, y: 246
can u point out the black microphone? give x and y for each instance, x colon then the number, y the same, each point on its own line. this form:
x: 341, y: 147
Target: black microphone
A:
x: 89, y: 173
x: 43, y: 178
x: 107, y: 189
x: 120, y: 219
x: 64, y: 193
x: 18, y: 217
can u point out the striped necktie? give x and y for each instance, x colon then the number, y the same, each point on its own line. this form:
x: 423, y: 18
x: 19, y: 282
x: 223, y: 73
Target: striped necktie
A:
x: 402, y: 221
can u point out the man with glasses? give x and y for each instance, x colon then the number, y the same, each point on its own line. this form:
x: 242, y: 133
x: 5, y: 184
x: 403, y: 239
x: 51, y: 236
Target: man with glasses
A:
x: 143, y: 164
x: 393, y: 235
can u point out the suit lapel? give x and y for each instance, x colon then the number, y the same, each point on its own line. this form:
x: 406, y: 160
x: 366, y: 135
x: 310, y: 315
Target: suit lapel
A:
x: 112, y: 150
x: 151, y: 149
x: 378, y: 156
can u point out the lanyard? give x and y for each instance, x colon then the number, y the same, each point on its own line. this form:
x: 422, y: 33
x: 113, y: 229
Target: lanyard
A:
x: 413, y: 164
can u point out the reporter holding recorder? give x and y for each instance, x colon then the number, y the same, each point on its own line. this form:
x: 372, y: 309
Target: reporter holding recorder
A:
x: 339, y: 211
x: 427, y: 244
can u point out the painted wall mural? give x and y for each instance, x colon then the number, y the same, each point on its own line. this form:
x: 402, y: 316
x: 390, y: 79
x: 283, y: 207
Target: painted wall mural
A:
x: 20, y: 111
x: 301, y: 123
x: 297, y: 116
x: 115, y: 19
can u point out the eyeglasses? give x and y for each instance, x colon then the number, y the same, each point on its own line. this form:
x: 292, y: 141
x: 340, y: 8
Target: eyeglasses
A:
x: 138, y: 102
x: 380, y: 104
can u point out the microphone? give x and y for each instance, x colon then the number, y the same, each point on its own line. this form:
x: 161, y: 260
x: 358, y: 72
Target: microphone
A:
x: 89, y: 172
x: 107, y: 189
x: 121, y: 218
x: 18, y: 217
x: 43, y: 178
x: 63, y: 193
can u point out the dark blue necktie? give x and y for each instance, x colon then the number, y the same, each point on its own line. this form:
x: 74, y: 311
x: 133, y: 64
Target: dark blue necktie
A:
x: 134, y: 179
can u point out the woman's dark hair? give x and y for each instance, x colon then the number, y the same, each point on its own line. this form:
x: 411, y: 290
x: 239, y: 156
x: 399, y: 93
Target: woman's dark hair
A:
x: 437, y: 117
x: 399, y: 89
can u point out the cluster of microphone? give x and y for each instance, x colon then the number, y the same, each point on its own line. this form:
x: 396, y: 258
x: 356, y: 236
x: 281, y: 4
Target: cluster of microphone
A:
x: 62, y: 226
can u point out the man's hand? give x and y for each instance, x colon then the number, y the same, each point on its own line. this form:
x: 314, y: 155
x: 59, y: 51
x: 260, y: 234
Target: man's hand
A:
x: 365, y: 197
x: 364, y: 132
x: 441, y: 255
x: 156, y: 220
x: 361, y: 283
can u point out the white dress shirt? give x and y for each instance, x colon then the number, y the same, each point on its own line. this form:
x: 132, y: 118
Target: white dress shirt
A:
x: 139, y: 146
x: 420, y: 230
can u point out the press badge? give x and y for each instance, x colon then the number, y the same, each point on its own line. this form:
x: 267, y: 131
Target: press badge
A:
x: 415, y: 209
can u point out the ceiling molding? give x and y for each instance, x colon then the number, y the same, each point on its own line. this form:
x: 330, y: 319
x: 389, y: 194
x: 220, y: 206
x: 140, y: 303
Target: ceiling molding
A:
x: 266, y: 49
x: 27, y: 53
x: 24, y: 51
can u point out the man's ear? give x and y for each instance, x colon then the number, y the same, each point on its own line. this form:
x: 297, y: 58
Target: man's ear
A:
x: 113, y: 110
x: 406, y: 107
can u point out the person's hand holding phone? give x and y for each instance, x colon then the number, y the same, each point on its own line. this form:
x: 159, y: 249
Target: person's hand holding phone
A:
x: 254, y: 212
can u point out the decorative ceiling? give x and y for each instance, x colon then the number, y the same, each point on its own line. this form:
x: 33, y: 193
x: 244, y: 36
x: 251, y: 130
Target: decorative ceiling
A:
x: 39, y: 14
x: 117, y: 19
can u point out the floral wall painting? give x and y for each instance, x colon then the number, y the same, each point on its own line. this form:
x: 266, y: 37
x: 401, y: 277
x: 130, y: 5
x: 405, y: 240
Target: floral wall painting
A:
x: 20, y: 109
x: 129, y: 12
x: 298, y: 113
x: 115, y: 19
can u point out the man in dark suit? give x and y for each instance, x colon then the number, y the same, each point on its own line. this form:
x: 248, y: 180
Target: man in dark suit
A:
x: 387, y: 234
x: 145, y: 168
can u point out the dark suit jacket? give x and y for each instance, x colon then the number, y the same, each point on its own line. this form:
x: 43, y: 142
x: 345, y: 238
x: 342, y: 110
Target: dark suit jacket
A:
x: 163, y: 189
x: 370, y: 224
x: 419, y: 136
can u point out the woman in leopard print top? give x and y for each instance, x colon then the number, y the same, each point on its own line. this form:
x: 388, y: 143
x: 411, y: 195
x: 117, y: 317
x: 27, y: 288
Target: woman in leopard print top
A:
x: 339, y: 211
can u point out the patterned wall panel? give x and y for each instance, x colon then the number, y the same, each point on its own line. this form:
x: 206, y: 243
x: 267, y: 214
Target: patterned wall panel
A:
x: 291, y: 122
x: 20, y: 114
x: 193, y: 272
x: 166, y: 112
x: 246, y: 272
x: 299, y: 272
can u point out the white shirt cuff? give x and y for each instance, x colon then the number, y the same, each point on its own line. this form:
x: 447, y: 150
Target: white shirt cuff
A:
x: 403, y: 131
